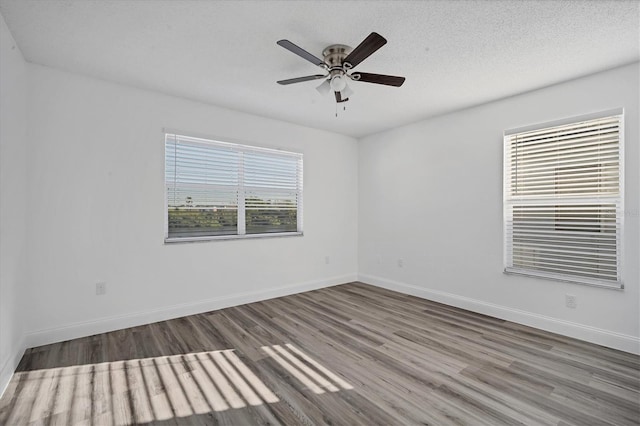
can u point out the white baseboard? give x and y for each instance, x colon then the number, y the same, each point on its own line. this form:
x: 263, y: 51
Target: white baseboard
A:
x: 587, y: 333
x: 103, y: 325
x: 9, y: 365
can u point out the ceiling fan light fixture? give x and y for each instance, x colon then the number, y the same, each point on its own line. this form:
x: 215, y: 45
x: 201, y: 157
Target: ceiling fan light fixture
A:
x: 324, y: 87
x: 346, y: 92
x: 338, y: 83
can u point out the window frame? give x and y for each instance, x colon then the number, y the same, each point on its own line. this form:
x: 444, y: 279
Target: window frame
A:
x: 617, y: 285
x: 239, y: 146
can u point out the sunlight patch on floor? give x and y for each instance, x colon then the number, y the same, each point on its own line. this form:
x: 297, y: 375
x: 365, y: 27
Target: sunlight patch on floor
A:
x: 310, y: 372
x: 160, y: 388
x: 140, y: 390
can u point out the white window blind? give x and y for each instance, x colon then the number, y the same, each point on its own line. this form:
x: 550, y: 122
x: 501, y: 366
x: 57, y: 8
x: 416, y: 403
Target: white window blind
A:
x: 222, y: 190
x: 563, y: 201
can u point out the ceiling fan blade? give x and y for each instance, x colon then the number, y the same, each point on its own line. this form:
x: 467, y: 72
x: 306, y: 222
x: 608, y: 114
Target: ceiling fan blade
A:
x: 301, y: 52
x: 389, y: 80
x: 339, y: 98
x: 373, y: 42
x: 301, y: 79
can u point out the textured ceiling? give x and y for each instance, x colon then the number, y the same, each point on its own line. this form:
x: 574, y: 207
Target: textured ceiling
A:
x: 454, y: 54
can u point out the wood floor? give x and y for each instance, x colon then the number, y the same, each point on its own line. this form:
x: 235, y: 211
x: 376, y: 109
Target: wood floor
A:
x: 350, y: 354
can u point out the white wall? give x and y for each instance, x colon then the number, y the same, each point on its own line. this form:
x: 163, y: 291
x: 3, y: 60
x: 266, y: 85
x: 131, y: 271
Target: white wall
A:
x: 431, y: 194
x: 13, y: 199
x: 96, y: 211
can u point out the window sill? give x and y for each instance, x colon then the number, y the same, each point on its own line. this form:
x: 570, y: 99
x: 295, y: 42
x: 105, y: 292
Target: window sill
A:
x: 231, y: 237
x: 593, y: 283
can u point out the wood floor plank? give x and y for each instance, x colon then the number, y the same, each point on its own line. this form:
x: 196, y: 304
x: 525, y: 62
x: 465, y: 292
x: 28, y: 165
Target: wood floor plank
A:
x: 350, y: 354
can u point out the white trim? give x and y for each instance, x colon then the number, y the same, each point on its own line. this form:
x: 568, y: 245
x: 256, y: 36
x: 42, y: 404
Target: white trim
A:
x: 103, y: 325
x: 241, y: 226
x: 567, y: 120
x: 232, y: 237
x: 621, y: 189
x: 10, y: 364
x: 619, y: 285
x: 230, y: 142
x: 300, y: 197
x: 587, y: 333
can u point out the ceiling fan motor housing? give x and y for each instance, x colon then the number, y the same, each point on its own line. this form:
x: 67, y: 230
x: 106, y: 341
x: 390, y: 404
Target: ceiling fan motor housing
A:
x: 334, y: 55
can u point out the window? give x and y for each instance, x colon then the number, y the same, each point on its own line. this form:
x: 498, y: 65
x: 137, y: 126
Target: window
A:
x: 563, y: 200
x: 217, y: 190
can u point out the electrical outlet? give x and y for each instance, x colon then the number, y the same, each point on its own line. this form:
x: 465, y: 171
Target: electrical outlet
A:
x: 101, y: 288
x: 400, y: 263
x: 327, y: 260
x: 571, y: 301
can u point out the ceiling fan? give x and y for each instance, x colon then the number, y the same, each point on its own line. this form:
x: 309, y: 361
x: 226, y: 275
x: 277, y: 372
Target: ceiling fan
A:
x: 338, y: 62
